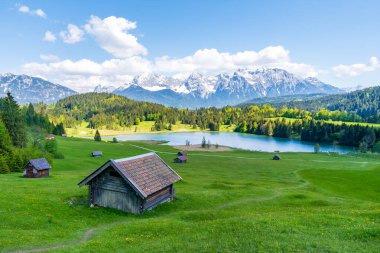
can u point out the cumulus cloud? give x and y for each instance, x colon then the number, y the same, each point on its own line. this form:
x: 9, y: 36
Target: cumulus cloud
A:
x: 73, y: 34
x: 49, y: 36
x: 84, y: 74
x: 27, y: 10
x: 49, y: 57
x: 213, y: 61
x: 356, y: 69
x: 112, y: 34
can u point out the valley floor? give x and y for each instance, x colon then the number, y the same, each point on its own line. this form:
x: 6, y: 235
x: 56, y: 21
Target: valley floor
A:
x: 231, y: 201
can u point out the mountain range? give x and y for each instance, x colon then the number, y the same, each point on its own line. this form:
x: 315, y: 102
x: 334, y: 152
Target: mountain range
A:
x: 197, y: 90
x: 26, y: 89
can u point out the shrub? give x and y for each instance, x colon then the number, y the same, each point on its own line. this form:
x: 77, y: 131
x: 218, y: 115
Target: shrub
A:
x: 97, y: 136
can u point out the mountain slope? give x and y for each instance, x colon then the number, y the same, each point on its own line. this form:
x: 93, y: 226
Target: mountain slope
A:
x: 26, y: 89
x: 365, y: 103
x: 202, y: 91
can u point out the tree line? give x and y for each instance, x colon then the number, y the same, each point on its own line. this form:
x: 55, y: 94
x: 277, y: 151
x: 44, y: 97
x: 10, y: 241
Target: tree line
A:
x: 22, y: 135
x: 101, y: 110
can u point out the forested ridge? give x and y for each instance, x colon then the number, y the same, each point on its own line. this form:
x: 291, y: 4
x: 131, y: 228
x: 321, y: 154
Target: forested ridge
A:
x: 102, y: 110
x: 365, y: 104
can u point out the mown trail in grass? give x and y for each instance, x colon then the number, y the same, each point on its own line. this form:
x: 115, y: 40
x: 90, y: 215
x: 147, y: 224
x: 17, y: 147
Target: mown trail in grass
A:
x: 302, y: 203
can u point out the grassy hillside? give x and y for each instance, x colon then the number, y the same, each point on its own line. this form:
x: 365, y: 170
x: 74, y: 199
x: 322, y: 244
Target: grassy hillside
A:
x: 235, y: 201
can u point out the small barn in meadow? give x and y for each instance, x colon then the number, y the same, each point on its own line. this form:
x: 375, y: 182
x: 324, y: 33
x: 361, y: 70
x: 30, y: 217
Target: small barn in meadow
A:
x: 180, y: 159
x: 276, y: 157
x: 182, y: 153
x: 96, y: 153
x: 37, y: 168
x: 133, y: 184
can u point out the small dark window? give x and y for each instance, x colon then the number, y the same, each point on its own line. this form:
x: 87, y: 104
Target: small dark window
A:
x: 114, y: 173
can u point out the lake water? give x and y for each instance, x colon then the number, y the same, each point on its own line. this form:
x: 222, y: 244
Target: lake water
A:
x: 237, y: 140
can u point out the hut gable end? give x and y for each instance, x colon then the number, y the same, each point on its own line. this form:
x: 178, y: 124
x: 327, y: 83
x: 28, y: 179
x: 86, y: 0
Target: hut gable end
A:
x: 134, y: 184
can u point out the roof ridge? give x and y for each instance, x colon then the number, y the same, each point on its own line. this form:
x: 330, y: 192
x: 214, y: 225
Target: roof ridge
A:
x: 134, y: 157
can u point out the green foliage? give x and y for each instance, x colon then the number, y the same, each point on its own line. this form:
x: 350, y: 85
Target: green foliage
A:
x: 97, y: 136
x: 13, y: 120
x: 5, y: 139
x: 203, y: 142
x: 51, y: 146
x: 114, y: 140
x: 357, y: 106
x: 111, y: 111
x: 4, y: 168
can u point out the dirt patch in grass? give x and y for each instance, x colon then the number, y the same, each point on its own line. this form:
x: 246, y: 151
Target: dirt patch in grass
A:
x: 198, y: 147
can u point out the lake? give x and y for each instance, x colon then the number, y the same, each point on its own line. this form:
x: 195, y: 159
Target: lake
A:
x: 237, y: 140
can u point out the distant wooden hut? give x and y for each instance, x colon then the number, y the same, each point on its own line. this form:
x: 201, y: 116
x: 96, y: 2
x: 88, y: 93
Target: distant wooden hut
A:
x: 182, y: 153
x: 96, y: 153
x: 133, y: 184
x: 37, y: 168
x: 181, y: 159
x: 276, y: 157
x: 50, y: 136
x: 64, y: 135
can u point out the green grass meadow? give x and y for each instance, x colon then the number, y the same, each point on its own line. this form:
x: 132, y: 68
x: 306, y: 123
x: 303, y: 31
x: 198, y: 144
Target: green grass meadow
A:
x: 237, y: 201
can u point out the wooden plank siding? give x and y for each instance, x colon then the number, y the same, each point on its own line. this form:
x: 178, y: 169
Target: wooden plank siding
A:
x: 114, y: 192
x: 159, y: 197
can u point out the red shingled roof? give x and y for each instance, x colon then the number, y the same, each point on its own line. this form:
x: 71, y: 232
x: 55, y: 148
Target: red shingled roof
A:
x: 147, y: 172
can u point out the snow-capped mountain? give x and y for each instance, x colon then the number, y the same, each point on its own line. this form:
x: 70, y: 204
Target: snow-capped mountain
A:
x: 106, y: 89
x: 26, y: 89
x: 224, y: 89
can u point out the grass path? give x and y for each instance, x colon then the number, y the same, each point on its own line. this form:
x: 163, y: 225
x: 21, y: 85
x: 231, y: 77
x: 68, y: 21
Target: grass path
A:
x: 86, y: 237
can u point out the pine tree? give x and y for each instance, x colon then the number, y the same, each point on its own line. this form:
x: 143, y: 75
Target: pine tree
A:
x: 4, y: 168
x: 13, y: 121
x: 5, y: 139
x: 203, y: 142
x: 16, y: 162
x: 97, y: 136
x: 30, y: 115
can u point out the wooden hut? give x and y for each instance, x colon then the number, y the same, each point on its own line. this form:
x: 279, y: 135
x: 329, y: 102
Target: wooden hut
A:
x: 133, y: 184
x: 37, y: 168
x: 96, y: 153
x: 276, y: 157
x: 64, y: 135
x: 180, y: 159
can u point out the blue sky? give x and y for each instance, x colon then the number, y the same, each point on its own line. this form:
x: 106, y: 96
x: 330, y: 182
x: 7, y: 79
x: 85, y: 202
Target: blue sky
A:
x: 108, y: 42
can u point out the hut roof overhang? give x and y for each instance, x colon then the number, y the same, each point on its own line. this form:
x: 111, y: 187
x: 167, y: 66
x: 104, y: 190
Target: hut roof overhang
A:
x: 146, y: 173
x: 40, y: 164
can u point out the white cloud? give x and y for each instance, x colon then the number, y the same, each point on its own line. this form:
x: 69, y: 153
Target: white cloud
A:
x: 49, y: 36
x: 85, y: 74
x: 49, y: 57
x: 112, y: 34
x: 212, y: 61
x: 37, y: 12
x: 356, y: 69
x: 73, y: 34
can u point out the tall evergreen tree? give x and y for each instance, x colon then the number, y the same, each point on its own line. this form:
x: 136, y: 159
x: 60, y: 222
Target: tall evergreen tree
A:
x: 5, y: 139
x: 97, y: 136
x: 13, y: 120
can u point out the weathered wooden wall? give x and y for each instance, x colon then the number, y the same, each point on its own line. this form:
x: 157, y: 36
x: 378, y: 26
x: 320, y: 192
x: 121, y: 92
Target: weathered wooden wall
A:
x: 162, y: 196
x: 112, y: 191
x: 39, y: 173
